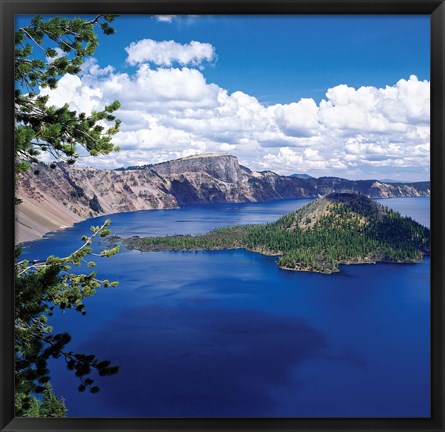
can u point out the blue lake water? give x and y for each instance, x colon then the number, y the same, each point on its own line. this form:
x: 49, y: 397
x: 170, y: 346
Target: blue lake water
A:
x: 228, y: 334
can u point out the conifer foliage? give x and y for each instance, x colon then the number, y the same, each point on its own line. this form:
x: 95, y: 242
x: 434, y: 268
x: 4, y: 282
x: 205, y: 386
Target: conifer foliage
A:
x: 49, y: 406
x: 45, y: 51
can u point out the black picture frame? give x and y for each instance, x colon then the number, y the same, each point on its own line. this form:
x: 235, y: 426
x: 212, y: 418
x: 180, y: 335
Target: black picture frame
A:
x: 434, y: 8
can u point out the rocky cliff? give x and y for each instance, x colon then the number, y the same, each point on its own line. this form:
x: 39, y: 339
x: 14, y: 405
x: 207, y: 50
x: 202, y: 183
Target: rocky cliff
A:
x: 59, y: 197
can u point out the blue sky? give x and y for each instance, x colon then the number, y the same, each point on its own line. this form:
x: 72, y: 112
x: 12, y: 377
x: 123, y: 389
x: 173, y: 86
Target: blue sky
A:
x: 281, y: 59
x: 258, y: 87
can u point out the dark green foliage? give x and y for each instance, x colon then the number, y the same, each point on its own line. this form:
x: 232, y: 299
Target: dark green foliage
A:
x: 41, y: 286
x: 44, y: 52
x: 40, y: 127
x: 49, y: 405
x: 223, y: 238
x: 356, y: 202
x: 354, y: 229
x: 349, y: 228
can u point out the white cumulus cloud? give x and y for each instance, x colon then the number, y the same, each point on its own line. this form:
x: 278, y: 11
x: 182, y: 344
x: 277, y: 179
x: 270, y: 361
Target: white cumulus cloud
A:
x: 165, y: 18
x: 166, y: 53
x: 169, y: 112
x: 170, y: 18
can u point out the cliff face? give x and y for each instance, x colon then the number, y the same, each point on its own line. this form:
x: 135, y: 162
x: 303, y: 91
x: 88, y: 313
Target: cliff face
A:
x: 59, y: 197
x: 223, y: 167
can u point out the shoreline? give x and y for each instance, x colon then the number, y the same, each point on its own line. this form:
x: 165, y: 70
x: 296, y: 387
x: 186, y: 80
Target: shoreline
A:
x: 32, y: 225
x: 329, y: 271
x: 31, y: 238
x: 33, y: 231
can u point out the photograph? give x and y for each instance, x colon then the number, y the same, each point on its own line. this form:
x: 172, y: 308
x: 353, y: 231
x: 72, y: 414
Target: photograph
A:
x: 223, y: 216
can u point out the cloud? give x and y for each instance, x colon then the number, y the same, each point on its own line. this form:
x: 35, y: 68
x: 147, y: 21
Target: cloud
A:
x: 165, y: 18
x: 295, y: 160
x: 59, y: 53
x: 73, y: 90
x: 169, y: 112
x: 170, y: 18
x: 377, y: 110
x: 298, y: 119
x: 91, y: 67
x: 166, y: 53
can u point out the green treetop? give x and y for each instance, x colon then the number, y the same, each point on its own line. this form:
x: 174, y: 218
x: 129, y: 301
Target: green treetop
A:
x: 62, y: 45
x: 45, y: 51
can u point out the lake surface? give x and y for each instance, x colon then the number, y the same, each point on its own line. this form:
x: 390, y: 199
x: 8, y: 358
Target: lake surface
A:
x: 228, y: 334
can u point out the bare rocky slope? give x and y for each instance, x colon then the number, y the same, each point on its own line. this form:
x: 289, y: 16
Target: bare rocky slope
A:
x: 59, y: 197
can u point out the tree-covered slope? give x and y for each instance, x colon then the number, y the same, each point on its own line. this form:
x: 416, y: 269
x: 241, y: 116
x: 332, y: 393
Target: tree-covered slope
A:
x: 341, y: 228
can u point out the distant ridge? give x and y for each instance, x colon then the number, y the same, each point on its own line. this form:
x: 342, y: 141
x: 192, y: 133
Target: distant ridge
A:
x: 66, y: 194
x: 402, y: 182
x: 302, y: 176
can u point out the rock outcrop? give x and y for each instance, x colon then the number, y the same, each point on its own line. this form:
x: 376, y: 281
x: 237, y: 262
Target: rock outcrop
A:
x: 59, y: 197
x: 223, y: 167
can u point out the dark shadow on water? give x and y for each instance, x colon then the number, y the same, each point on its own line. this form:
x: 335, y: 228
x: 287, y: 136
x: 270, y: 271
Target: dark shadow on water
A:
x: 189, y: 362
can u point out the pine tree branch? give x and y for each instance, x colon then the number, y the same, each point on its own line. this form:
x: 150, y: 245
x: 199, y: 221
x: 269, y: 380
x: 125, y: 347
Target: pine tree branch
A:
x: 86, y: 243
x: 95, y: 20
x: 25, y: 31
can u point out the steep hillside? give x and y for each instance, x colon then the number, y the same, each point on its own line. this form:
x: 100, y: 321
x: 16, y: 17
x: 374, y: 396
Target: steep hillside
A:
x: 66, y: 194
x: 341, y: 228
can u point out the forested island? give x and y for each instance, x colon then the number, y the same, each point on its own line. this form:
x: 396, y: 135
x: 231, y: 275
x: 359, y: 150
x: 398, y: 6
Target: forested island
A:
x: 340, y: 228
